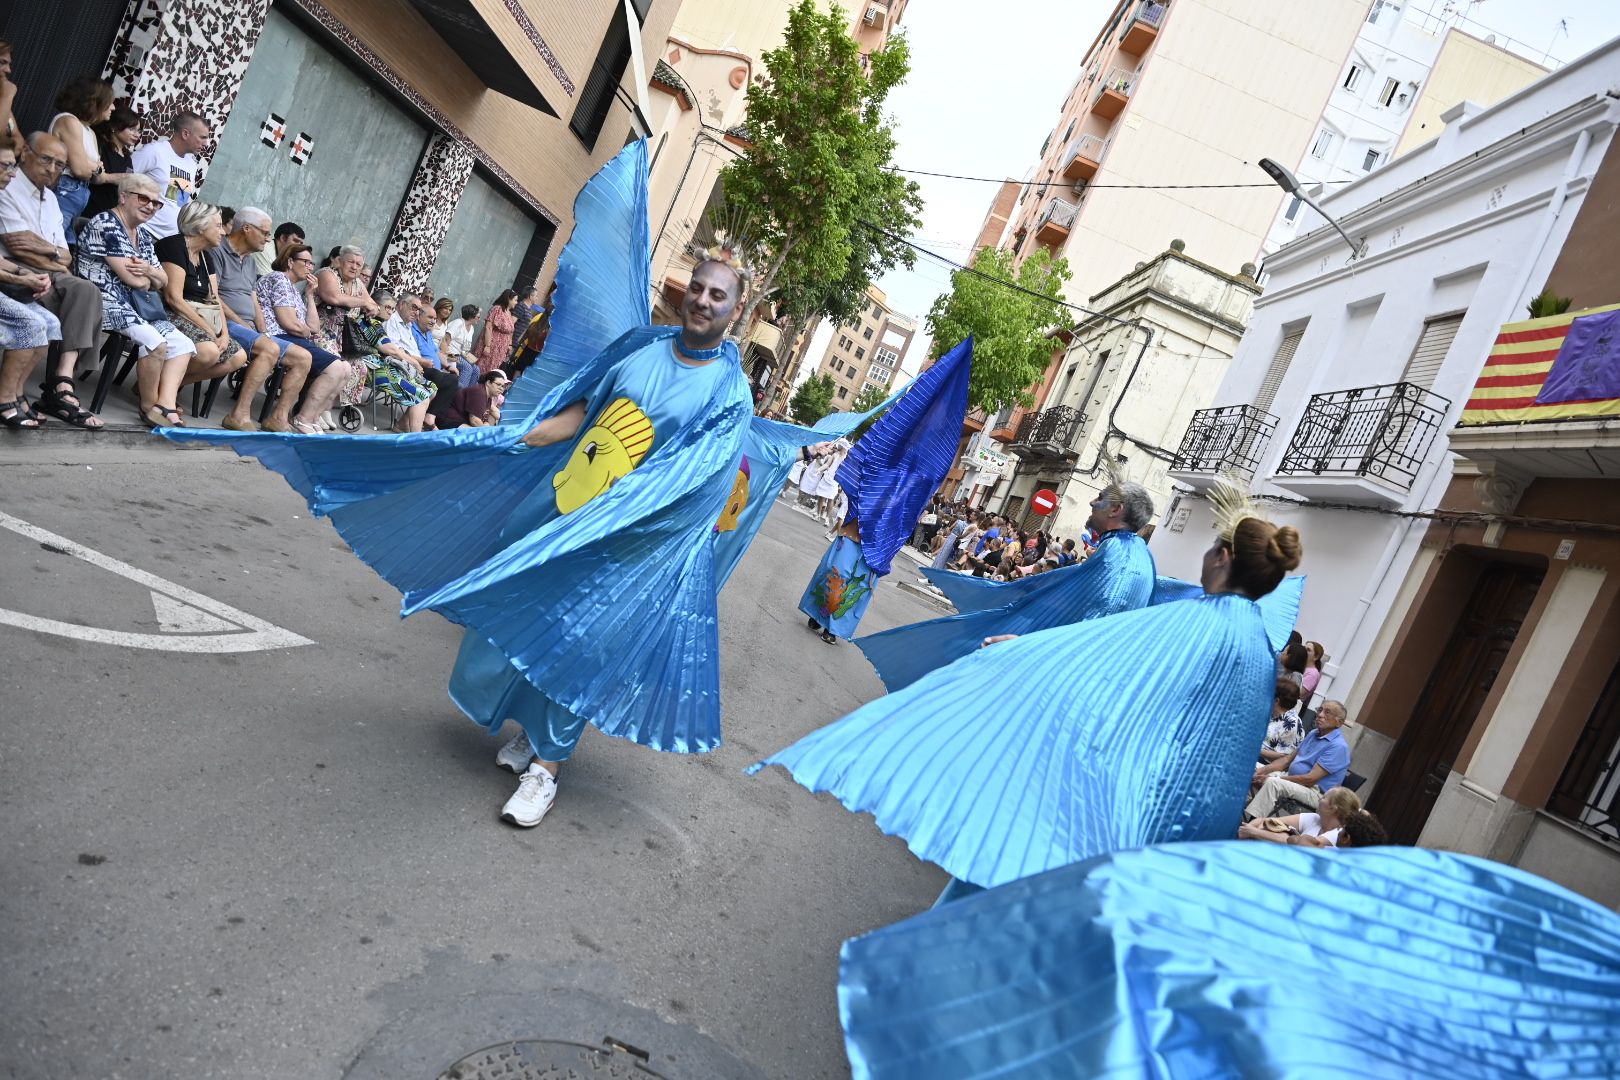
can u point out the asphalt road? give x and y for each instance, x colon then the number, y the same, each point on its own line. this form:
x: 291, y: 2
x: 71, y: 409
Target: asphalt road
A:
x: 287, y: 862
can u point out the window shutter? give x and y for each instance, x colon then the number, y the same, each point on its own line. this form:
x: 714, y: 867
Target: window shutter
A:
x: 1277, y: 369
x: 1431, y: 350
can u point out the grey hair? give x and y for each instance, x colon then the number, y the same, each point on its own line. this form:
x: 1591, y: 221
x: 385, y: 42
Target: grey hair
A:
x: 194, y: 217
x: 135, y: 181
x: 250, y: 215
x: 381, y: 296
x: 1138, y: 506
x: 349, y: 249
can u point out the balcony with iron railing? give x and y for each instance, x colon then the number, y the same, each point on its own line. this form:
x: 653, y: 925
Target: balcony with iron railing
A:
x: 1364, y: 445
x: 1048, y: 434
x: 1053, y: 223
x: 1113, y: 92
x: 1084, y: 157
x: 1143, y: 28
x: 1222, y: 441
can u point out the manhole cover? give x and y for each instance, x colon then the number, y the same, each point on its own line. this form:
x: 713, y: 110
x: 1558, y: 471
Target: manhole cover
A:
x: 552, y: 1059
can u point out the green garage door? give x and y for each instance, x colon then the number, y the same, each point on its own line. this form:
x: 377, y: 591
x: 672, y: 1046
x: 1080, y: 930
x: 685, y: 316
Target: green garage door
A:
x: 365, y: 149
x: 483, y: 247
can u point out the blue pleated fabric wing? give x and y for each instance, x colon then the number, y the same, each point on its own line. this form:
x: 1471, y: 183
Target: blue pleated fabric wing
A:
x: 1118, y: 577
x: 968, y: 593
x: 603, y: 278
x: 1133, y: 729
x: 1243, y: 958
x: 772, y: 446
x: 897, y: 465
x: 1279, y: 607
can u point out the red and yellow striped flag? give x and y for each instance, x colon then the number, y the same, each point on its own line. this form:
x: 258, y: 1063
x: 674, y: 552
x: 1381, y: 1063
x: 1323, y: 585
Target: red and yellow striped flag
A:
x: 1516, y: 369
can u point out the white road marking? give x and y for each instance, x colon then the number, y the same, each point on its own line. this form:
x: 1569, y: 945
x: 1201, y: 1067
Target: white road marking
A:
x: 177, y: 608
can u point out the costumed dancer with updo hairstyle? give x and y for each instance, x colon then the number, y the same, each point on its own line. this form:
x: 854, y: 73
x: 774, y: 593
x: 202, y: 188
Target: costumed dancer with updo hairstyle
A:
x: 1138, y: 728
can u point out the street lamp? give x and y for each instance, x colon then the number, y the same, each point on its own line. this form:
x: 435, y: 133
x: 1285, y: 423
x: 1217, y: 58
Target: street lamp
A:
x: 1289, y: 183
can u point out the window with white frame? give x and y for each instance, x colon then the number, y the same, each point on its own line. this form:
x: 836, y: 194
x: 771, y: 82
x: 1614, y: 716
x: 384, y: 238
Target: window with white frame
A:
x: 886, y: 357
x: 1323, y: 144
x: 1369, y: 162
x: 1352, y: 78
x: 1386, y: 96
x: 1382, y: 8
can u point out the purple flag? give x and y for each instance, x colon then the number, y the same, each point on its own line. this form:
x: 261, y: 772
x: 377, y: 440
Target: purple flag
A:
x: 1588, y: 364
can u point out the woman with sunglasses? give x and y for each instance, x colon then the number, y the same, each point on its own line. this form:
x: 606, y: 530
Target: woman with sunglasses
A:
x: 119, y: 256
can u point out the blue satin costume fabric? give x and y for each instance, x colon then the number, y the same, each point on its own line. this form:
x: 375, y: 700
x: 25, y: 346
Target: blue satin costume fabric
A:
x: 840, y: 589
x: 652, y: 396
x: 1185, y: 960
x: 564, y: 600
x: 1133, y: 729
x: 1119, y: 576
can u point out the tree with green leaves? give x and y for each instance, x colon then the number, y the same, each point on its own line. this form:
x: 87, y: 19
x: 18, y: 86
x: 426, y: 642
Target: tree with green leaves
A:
x: 1009, y: 327
x: 815, y: 194
x: 869, y: 398
x: 812, y: 400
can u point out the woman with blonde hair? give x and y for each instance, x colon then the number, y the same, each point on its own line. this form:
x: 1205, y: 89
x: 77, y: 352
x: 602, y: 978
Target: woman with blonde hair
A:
x: 1134, y: 729
x: 192, y: 292
x: 1320, y: 829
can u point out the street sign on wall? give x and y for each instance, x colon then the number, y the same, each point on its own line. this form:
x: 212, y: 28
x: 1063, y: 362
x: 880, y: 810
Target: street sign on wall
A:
x: 1043, y: 502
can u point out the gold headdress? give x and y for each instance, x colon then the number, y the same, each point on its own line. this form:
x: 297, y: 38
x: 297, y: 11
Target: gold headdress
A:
x: 1230, y: 503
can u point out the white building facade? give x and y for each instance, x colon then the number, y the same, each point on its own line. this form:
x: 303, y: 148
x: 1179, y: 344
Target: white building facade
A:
x: 1338, y: 402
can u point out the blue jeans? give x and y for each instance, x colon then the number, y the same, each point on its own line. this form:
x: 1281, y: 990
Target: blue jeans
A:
x: 247, y: 337
x: 72, y: 195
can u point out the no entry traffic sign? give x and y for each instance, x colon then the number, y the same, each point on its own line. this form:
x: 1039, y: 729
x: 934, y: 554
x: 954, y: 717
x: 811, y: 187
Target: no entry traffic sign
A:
x: 1043, y: 502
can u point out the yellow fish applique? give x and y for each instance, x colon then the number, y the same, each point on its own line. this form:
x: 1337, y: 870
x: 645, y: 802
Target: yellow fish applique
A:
x: 738, y: 502
x: 610, y: 448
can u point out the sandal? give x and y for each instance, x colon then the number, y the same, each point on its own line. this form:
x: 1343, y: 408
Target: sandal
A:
x: 306, y: 429
x: 60, y: 400
x: 22, y: 418
x: 146, y: 417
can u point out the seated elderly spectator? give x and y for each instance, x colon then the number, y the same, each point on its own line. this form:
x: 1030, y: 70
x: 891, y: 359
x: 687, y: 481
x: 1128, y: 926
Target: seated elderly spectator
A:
x: 338, y: 297
x: 191, y: 292
x: 26, y: 331
x: 403, y: 341
x: 474, y: 406
x: 1320, y: 829
x: 238, y: 275
x: 1317, y: 766
x: 390, y: 371
x: 81, y: 104
x: 172, y: 165
x: 458, y: 338
x: 115, y: 142
x: 287, y: 318
x: 1286, y: 729
x: 119, y: 256
x: 31, y: 236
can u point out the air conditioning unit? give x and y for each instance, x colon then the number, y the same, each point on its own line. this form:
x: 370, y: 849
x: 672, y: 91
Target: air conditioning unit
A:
x: 1079, y: 187
x: 874, y: 15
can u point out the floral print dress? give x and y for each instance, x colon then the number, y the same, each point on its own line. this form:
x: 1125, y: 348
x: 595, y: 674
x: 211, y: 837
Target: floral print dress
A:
x: 496, y: 348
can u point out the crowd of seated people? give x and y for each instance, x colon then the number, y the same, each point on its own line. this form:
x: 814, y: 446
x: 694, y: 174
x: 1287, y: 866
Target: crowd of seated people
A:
x: 101, y: 234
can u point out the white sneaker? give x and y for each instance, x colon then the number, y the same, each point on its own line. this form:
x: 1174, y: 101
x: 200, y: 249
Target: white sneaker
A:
x: 515, y: 756
x: 537, y: 790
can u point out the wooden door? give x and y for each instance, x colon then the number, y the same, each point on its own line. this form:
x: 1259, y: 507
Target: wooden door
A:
x: 1450, y: 702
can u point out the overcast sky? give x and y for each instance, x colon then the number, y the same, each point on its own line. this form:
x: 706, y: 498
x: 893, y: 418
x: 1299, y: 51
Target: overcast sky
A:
x: 987, y: 80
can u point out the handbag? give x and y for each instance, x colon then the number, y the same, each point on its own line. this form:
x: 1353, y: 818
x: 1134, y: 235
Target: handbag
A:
x: 355, y: 343
x: 148, y: 305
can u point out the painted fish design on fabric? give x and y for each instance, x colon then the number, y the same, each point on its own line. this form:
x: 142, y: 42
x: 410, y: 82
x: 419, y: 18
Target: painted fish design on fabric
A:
x: 611, y: 447
x: 836, y: 596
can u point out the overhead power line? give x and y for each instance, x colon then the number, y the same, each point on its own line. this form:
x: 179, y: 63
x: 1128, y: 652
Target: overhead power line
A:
x: 1095, y: 187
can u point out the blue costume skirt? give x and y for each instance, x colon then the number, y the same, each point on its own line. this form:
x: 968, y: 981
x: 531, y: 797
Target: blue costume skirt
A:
x: 840, y: 589
x: 1242, y: 959
x: 484, y: 684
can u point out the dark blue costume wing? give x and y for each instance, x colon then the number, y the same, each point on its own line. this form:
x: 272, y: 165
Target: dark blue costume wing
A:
x: 1183, y: 960
x: 896, y: 466
x: 1118, y: 577
x: 1133, y: 729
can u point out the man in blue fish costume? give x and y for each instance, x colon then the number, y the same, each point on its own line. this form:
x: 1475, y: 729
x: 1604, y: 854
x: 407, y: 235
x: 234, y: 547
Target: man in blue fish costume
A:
x: 1119, y: 576
x: 582, y: 541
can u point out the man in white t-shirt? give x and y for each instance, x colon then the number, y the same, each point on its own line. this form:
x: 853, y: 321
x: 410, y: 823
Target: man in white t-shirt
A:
x: 172, y: 162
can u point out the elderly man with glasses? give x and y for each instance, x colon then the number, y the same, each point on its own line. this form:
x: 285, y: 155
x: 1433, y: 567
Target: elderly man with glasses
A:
x: 31, y: 235
x: 244, y: 321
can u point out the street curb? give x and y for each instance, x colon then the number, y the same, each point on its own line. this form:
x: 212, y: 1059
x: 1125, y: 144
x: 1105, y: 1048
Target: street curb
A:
x: 54, y: 435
